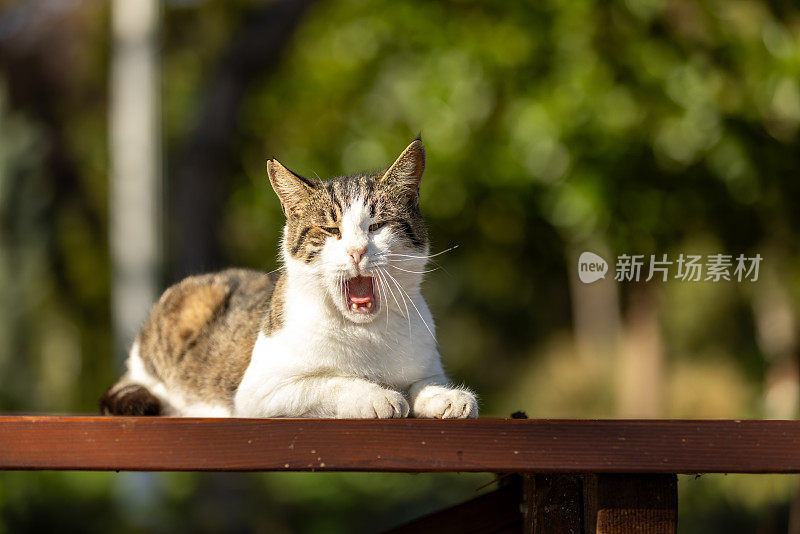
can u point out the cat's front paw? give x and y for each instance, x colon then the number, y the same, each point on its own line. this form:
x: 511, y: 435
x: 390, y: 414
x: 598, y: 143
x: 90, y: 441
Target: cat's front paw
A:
x: 444, y: 403
x: 376, y: 403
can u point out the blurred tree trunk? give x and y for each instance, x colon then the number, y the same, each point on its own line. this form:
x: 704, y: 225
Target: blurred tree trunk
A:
x: 630, y: 350
x: 135, y: 181
x: 204, y: 168
x: 595, y: 308
x: 640, y: 368
x: 776, y: 333
x: 595, y: 315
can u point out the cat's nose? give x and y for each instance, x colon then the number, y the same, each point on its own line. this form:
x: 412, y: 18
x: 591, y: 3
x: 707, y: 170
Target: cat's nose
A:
x: 356, y: 252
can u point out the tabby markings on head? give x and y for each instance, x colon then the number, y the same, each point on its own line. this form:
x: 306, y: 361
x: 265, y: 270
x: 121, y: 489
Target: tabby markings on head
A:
x: 310, y: 225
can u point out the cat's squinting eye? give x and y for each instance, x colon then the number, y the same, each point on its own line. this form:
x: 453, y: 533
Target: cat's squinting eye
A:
x: 333, y: 230
x: 376, y: 226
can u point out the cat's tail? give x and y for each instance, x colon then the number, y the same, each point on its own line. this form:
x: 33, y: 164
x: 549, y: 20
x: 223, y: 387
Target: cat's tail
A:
x: 129, y: 398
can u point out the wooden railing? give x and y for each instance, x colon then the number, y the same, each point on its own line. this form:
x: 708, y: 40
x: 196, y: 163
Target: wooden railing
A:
x: 566, y: 475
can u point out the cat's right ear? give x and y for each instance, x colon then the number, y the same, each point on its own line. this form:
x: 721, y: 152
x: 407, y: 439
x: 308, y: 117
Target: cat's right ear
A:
x: 406, y: 171
x: 291, y: 189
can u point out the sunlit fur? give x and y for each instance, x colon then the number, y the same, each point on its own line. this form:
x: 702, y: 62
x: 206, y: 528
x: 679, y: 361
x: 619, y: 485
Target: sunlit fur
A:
x: 309, y: 354
x: 325, y: 361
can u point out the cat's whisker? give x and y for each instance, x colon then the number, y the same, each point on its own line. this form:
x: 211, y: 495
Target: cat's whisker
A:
x: 383, y: 273
x: 388, y: 290
x: 398, y: 260
x: 415, y: 306
x: 406, y: 257
x: 414, y: 272
x: 434, y: 262
x: 423, y: 256
x: 385, y: 299
x: 406, y: 297
x: 408, y: 312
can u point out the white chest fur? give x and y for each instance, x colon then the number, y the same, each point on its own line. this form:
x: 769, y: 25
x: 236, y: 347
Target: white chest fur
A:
x: 317, y: 343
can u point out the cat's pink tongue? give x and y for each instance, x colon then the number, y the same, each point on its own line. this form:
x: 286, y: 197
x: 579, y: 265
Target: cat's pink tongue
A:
x: 360, y: 289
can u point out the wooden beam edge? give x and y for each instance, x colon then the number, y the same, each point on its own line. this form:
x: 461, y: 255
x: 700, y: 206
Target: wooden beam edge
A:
x: 484, y: 445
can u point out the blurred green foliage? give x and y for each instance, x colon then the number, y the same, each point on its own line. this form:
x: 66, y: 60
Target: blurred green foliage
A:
x: 644, y: 126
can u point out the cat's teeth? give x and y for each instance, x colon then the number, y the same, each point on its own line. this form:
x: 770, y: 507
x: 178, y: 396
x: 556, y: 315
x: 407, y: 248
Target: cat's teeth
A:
x: 354, y: 306
x: 369, y: 304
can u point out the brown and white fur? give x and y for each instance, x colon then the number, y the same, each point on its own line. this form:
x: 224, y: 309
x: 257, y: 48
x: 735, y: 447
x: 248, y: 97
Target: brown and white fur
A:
x: 343, y: 331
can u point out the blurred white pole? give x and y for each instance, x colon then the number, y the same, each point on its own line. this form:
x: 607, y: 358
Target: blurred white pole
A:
x: 135, y: 182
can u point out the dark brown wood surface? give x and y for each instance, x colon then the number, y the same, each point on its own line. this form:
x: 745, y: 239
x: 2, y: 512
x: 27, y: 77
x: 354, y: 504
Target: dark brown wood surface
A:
x: 493, y: 445
x: 555, y: 504
x: 618, y: 504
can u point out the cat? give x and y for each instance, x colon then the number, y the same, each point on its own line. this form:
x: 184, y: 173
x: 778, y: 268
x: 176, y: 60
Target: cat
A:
x: 341, y: 332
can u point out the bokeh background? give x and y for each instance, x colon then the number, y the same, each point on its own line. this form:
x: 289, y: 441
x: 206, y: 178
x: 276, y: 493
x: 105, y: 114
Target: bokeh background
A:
x: 132, y: 149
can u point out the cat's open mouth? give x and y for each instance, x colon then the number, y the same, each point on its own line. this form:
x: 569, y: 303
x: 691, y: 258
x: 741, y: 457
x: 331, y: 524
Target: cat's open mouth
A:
x: 360, y: 295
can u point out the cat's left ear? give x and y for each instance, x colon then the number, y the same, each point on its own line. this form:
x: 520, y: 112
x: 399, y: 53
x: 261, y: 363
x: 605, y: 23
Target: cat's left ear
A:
x: 291, y: 189
x: 406, y: 171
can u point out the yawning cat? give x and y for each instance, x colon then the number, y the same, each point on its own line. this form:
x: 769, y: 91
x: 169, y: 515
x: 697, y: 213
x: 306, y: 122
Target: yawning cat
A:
x: 342, y: 331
